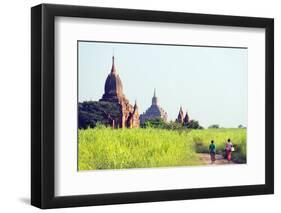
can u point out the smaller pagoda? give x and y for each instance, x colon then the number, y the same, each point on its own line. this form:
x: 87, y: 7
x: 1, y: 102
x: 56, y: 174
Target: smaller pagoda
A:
x: 154, y: 111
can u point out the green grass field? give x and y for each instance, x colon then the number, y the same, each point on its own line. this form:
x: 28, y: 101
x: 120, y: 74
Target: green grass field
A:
x: 106, y: 148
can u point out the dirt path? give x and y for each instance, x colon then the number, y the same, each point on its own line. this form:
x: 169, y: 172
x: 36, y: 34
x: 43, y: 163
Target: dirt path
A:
x: 205, y: 159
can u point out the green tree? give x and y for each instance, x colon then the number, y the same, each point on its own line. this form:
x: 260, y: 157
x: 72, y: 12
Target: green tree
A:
x: 154, y: 123
x: 193, y: 124
x: 214, y: 126
x: 241, y: 126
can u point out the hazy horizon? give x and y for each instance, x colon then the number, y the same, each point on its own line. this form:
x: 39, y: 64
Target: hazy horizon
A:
x: 208, y: 82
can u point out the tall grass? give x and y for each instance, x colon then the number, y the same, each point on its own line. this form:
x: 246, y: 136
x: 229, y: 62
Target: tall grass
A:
x: 106, y: 148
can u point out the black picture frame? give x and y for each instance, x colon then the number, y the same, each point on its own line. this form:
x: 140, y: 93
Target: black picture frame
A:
x: 43, y: 102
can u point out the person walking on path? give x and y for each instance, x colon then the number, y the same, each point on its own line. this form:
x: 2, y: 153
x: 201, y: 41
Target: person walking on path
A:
x: 228, y: 149
x: 212, y: 150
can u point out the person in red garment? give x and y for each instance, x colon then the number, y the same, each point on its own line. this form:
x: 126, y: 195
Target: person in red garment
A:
x: 228, y: 149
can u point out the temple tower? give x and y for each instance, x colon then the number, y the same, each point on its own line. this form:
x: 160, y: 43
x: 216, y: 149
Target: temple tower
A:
x: 180, y: 118
x: 113, y: 92
x: 186, y: 118
x: 154, y: 111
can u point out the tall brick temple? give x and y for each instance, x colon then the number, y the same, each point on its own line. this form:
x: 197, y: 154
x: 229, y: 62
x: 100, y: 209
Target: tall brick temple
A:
x: 113, y: 93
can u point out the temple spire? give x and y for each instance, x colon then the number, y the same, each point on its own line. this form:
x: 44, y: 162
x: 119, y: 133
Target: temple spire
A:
x: 135, y: 106
x: 113, y: 69
x: 180, y: 118
x: 186, y: 118
x: 154, y: 98
x: 181, y: 111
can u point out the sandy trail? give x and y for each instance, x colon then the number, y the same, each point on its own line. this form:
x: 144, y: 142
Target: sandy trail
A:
x: 205, y: 159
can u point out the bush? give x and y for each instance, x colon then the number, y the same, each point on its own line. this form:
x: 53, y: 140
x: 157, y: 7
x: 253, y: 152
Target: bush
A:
x: 154, y: 123
x: 172, y: 125
x: 193, y: 124
x: 214, y: 126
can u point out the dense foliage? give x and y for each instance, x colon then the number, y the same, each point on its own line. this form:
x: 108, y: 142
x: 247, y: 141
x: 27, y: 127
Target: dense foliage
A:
x: 193, y: 124
x: 172, y: 125
x: 91, y: 113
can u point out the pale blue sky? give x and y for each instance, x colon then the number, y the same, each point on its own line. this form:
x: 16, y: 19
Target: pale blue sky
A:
x: 209, y: 82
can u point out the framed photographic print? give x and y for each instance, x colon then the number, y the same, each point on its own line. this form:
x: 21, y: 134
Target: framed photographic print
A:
x: 139, y: 106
